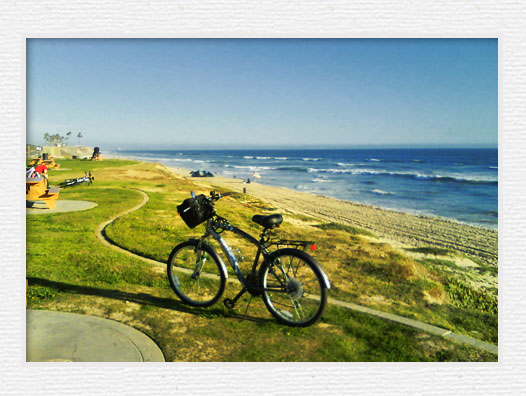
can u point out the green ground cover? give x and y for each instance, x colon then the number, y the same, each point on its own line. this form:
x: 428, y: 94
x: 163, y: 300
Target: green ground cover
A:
x: 69, y: 269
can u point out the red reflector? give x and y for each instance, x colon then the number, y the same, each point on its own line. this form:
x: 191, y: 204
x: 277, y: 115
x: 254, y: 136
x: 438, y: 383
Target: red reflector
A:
x: 313, y: 247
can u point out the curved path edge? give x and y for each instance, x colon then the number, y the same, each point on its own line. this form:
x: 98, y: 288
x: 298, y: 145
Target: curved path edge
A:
x: 68, y: 336
x: 435, y: 330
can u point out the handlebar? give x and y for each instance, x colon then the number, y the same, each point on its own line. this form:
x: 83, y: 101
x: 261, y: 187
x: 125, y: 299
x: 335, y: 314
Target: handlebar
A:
x: 215, y: 196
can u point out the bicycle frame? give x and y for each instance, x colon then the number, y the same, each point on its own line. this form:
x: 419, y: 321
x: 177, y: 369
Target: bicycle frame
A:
x: 227, y: 250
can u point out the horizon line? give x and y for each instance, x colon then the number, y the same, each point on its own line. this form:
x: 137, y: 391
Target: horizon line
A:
x: 303, y: 147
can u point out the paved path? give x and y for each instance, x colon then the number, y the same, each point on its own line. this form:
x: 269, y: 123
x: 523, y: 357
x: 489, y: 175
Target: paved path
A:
x: 63, y: 205
x: 67, y: 337
x: 420, y: 326
x: 355, y: 307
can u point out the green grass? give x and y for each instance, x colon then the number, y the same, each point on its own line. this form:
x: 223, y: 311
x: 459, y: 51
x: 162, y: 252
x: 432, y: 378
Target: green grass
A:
x: 76, y: 164
x: 63, y: 246
x: 69, y: 269
x: 304, y: 218
x: 358, y: 268
x: 435, y: 264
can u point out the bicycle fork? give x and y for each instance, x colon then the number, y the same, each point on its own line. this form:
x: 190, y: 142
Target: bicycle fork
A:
x: 199, y: 261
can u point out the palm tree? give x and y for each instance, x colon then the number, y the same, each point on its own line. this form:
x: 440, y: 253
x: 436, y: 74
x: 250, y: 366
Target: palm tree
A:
x: 46, y: 137
x: 79, y: 135
x: 68, y: 136
x: 56, y: 139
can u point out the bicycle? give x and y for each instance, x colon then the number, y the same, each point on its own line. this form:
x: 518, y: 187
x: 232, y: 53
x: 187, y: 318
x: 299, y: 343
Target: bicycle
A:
x: 293, y: 286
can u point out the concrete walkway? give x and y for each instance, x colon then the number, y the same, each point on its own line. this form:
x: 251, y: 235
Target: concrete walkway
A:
x: 53, y: 336
x: 63, y: 205
x: 419, y: 325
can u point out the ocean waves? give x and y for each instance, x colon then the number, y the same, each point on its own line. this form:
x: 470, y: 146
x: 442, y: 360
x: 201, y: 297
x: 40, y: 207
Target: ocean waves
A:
x: 264, y: 157
x: 412, y: 175
x: 348, y: 170
x: 450, y: 183
x: 377, y: 191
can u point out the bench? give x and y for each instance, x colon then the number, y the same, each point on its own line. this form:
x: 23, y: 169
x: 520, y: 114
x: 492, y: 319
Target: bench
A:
x: 35, y: 162
x: 50, y: 163
x: 36, y: 190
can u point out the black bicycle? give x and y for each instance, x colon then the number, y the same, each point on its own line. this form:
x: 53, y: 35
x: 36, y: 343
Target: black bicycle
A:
x: 88, y: 179
x: 293, y: 285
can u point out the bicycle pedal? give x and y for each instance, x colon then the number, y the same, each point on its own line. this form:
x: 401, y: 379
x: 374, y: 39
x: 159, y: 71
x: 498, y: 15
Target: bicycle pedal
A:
x: 229, y: 303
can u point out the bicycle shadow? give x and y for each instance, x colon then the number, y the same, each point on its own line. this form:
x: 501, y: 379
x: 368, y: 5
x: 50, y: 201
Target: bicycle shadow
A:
x: 143, y: 299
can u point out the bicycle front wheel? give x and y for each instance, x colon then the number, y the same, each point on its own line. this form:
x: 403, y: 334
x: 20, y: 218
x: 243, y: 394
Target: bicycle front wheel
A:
x: 294, y: 288
x: 196, y: 274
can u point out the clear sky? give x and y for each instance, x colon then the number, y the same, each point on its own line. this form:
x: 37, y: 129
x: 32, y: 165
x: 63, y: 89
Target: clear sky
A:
x: 182, y: 93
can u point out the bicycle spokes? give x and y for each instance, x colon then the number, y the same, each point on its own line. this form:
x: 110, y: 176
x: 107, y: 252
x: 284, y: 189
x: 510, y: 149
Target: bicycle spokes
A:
x: 293, y: 290
x: 195, y: 275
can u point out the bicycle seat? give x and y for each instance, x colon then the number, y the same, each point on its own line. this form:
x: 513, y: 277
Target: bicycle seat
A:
x: 269, y: 221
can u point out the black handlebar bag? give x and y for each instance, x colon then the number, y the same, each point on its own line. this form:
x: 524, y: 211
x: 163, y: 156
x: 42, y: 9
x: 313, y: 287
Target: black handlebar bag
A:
x: 195, y: 211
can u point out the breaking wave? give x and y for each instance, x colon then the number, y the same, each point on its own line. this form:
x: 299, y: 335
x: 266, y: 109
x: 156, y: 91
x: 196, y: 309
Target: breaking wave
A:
x: 264, y: 158
x: 292, y: 168
x: 381, y: 192
x: 412, y: 175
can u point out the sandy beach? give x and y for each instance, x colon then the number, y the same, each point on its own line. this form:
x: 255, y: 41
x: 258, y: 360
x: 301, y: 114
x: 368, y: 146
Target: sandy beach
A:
x: 399, y: 229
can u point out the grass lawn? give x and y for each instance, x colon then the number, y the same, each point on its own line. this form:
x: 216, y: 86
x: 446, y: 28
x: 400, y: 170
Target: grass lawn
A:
x: 68, y: 269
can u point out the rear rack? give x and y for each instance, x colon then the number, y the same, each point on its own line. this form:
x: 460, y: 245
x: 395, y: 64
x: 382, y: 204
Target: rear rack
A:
x: 281, y: 243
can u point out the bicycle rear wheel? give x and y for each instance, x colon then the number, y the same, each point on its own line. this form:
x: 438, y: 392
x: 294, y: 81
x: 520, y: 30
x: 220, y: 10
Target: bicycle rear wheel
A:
x: 196, y: 275
x: 294, y: 287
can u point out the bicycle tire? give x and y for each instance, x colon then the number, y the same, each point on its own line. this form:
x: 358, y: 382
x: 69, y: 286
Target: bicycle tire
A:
x: 299, y: 290
x: 198, y: 287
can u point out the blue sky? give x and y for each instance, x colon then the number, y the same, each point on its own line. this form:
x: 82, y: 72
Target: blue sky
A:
x: 179, y: 93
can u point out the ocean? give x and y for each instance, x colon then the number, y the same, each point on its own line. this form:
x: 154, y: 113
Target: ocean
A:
x: 459, y: 184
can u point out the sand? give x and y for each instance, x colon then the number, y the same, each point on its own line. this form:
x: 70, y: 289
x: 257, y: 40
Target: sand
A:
x: 399, y: 229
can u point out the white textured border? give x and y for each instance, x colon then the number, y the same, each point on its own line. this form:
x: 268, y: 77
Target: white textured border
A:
x: 262, y: 18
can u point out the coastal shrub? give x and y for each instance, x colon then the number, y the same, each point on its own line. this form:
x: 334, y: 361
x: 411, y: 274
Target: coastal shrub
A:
x: 493, y: 271
x: 389, y: 272
x: 347, y: 228
x: 425, y: 284
x: 304, y: 218
x: 435, y: 264
x: 436, y: 291
x: 463, y: 295
x: 484, y: 268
